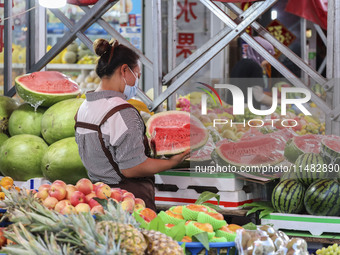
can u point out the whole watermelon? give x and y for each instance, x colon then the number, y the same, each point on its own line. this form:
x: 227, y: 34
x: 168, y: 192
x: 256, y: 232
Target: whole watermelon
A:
x: 26, y: 120
x: 323, y: 198
x: 58, y: 121
x: 309, y: 168
x: 7, y: 106
x: 62, y: 162
x: 20, y: 157
x: 287, y: 196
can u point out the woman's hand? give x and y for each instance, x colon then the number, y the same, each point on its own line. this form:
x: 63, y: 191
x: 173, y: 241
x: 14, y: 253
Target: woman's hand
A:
x: 180, y: 157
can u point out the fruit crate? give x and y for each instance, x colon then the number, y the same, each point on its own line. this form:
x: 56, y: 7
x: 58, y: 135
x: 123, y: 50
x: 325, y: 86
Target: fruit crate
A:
x: 316, y: 225
x: 195, y: 248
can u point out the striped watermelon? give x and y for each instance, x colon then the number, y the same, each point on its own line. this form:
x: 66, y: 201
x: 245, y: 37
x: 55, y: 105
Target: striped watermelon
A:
x: 323, y: 198
x: 287, y: 196
x: 307, y: 168
x: 302, y: 144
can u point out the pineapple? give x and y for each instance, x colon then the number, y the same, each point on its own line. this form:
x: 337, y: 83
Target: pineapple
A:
x: 129, y: 237
x: 161, y: 244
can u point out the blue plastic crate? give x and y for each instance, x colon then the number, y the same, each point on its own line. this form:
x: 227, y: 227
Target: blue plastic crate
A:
x: 196, y: 247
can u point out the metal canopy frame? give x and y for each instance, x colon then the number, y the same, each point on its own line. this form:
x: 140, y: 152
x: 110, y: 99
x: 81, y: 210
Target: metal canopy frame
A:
x: 181, y: 73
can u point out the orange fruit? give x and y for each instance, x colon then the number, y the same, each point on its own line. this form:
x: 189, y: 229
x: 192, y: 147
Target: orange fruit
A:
x: 6, y: 181
x: 2, y: 195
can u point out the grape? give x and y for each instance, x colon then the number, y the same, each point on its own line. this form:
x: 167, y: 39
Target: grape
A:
x: 330, y: 250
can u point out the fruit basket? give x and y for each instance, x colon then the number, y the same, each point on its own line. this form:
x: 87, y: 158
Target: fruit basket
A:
x: 195, y: 248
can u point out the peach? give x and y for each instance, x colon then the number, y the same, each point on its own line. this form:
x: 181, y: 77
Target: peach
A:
x: 69, y: 190
x: 103, y: 191
x: 84, y: 185
x: 89, y: 196
x: 58, y: 191
x: 204, y: 226
x: 60, y: 183
x: 170, y: 213
x: 198, y: 208
x: 128, y: 204
x: 92, y: 203
x: 148, y: 213
x: 98, y: 209
x: 77, y: 197
x: 44, y: 186
x: 139, y: 204
x: 69, y: 209
x: 217, y: 216
x: 61, y: 205
x: 116, y: 194
x: 50, y: 202
x: 82, y: 207
x: 128, y: 194
x: 42, y: 194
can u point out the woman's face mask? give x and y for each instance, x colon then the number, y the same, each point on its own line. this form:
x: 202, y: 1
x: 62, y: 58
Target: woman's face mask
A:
x: 131, y: 91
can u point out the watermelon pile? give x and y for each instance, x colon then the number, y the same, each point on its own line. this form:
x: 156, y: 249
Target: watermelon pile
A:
x: 38, y: 136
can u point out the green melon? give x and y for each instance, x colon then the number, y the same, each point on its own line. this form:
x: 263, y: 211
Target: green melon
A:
x: 3, y: 138
x: 26, y: 120
x: 62, y: 162
x: 7, y: 106
x: 323, y: 198
x: 309, y: 168
x: 287, y: 196
x: 58, y: 121
x: 20, y: 157
x: 45, y: 88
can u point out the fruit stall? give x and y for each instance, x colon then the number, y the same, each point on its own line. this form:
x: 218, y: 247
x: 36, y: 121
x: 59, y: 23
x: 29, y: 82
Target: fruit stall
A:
x: 256, y: 182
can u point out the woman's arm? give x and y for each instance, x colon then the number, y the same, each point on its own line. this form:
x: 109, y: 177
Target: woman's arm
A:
x: 153, y: 166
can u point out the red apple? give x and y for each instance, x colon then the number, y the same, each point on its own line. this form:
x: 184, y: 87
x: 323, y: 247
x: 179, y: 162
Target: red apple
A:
x: 117, y: 189
x: 82, y: 207
x: 42, y: 194
x: 60, y: 183
x: 84, y: 185
x: 69, y: 190
x: 89, y: 196
x: 92, y: 203
x: 103, y: 191
x: 116, y: 194
x: 44, y: 186
x: 98, y: 209
x: 58, y: 191
x: 128, y: 194
x: 123, y: 191
x: 50, y: 202
x: 77, y: 197
x: 59, y: 207
x: 128, y: 204
x: 139, y: 204
x: 69, y: 209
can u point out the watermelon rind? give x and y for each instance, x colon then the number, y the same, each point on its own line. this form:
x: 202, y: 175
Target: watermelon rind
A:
x: 307, y: 168
x: 322, y: 198
x: 331, y: 155
x: 35, y: 98
x: 176, y: 150
x: 287, y: 196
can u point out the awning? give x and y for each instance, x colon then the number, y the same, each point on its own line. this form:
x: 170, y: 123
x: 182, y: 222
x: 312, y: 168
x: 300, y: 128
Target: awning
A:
x: 312, y: 10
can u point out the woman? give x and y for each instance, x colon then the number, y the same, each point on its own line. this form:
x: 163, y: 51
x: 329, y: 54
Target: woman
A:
x: 110, y: 132
x: 253, y: 71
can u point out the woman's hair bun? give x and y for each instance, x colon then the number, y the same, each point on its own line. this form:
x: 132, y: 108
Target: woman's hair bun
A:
x: 101, y: 46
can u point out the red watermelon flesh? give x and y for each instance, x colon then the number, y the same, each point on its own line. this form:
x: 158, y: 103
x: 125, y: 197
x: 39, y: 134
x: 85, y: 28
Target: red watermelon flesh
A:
x: 332, y: 143
x: 204, y: 153
x: 308, y: 143
x: 264, y: 150
x: 173, y: 132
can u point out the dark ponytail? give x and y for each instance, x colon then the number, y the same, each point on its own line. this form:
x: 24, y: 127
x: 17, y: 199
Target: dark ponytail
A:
x: 113, y: 55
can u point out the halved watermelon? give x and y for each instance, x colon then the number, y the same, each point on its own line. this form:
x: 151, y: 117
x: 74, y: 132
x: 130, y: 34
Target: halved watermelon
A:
x: 299, y: 145
x: 262, y: 151
x: 330, y: 149
x: 173, y: 132
x: 45, y: 88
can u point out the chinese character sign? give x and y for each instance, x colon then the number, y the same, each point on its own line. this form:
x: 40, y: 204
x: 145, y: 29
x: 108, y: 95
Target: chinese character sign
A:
x: 185, y: 44
x: 186, y: 10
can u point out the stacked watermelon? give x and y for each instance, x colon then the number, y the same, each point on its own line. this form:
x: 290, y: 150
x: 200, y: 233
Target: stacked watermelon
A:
x: 41, y: 130
x: 313, y: 183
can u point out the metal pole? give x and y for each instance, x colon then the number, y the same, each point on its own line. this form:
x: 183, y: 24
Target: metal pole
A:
x: 157, y: 47
x: 30, y: 35
x: 303, y: 43
x: 8, y: 36
x: 172, y: 41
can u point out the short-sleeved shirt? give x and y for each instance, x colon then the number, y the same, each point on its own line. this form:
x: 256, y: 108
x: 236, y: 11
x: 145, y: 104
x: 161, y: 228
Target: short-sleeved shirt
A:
x: 123, y: 135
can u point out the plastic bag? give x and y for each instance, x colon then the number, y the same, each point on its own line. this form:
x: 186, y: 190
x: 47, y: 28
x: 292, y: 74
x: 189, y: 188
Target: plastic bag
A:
x: 267, y: 241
